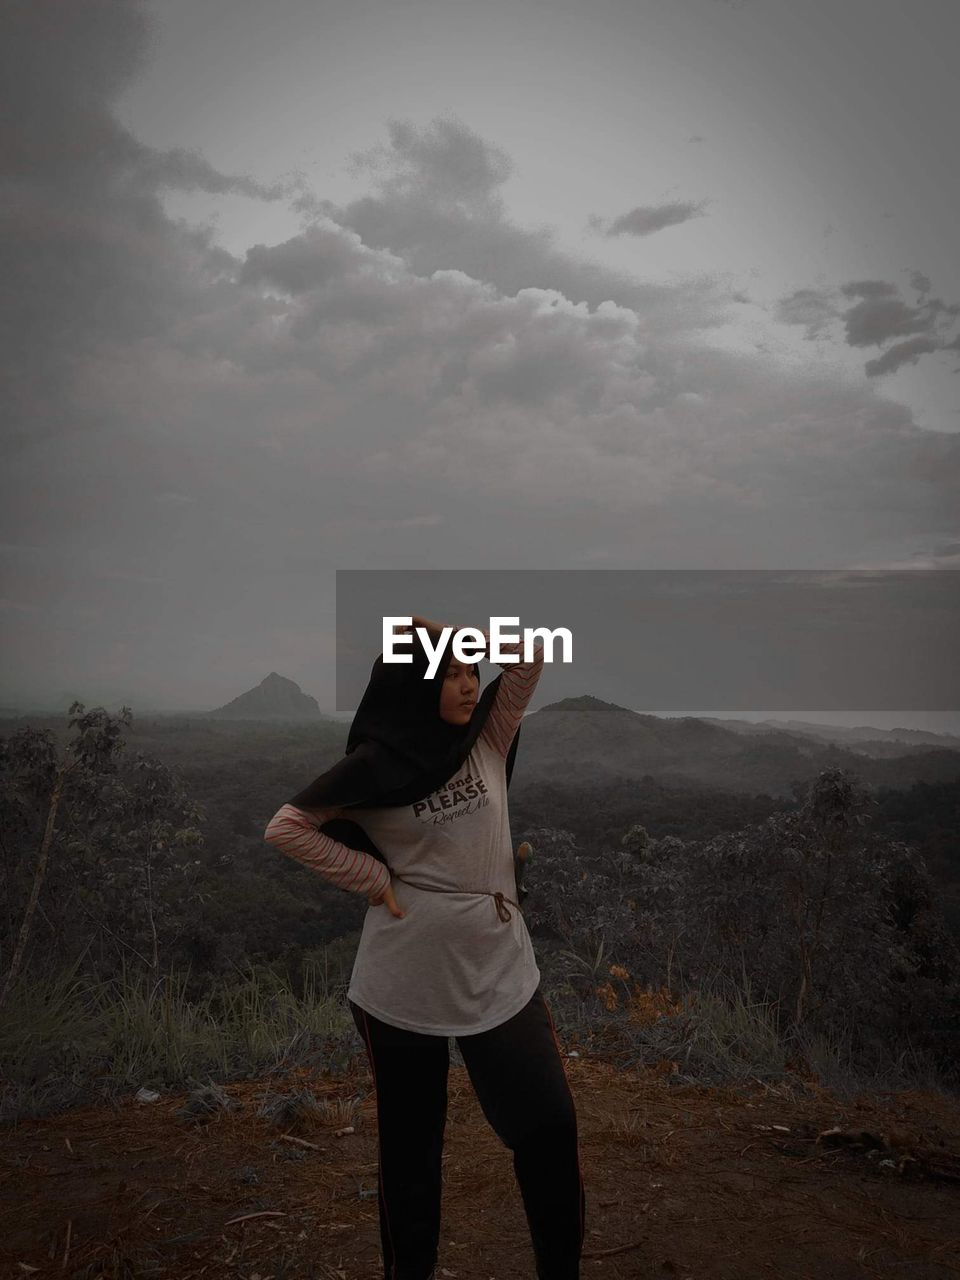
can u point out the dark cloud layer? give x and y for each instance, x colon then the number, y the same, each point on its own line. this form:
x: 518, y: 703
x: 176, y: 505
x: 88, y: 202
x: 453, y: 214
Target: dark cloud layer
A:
x: 438, y: 207
x: 877, y: 316
x: 196, y: 440
x: 644, y: 220
x: 812, y: 308
x: 87, y: 254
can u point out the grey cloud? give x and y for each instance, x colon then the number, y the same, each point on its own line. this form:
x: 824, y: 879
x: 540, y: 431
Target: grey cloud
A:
x: 438, y: 385
x: 457, y: 337
x: 867, y: 289
x: 899, y: 354
x: 453, y: 219
x: 188, y: 170
x: 644, y: 220
x: 812, y: 308
x: 546, y: 360
x: 87, y: 253
x: 312, y: 259
x: 446, y: 163
x: 875, y: 319
x: 879, y: 316
x: 882, y: 314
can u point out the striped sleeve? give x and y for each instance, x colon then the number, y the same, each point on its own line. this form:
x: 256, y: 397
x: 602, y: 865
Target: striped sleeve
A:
x: 292, y: 832
x: 517, y: 684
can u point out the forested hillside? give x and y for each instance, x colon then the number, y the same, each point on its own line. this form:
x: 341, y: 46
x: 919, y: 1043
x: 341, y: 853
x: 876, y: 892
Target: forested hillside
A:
x: 138, y: 845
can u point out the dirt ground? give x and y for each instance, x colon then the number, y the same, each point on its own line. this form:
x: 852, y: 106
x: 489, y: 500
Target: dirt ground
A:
x: 705, y: 1183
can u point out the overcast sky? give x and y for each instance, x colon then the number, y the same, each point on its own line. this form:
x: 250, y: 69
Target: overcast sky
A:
x: 301, y: 286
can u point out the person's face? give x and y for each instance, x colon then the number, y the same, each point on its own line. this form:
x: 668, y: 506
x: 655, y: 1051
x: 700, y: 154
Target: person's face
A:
x: 459, y: 692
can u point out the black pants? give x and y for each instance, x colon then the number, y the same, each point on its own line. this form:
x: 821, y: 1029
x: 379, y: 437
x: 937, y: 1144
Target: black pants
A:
x: 520, y: 1080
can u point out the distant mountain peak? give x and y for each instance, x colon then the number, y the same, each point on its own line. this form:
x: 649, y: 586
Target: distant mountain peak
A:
x: 276, y: 697
x: 586, y: 702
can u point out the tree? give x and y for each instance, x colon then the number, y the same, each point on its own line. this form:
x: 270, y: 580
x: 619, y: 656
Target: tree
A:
x: 805, y: 905
x: 636, y: 842
x: 107, y: 844
x: 30, y: 767
x: 817, y: 911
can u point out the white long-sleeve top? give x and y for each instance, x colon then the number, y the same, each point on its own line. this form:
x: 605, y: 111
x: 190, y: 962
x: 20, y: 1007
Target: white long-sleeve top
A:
x: 451, y: 965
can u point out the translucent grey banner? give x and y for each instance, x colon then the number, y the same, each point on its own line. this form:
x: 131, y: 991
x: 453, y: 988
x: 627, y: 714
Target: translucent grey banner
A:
x: 716, y: 639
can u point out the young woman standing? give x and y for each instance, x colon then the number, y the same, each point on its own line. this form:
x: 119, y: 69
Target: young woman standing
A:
x: 415, y: 817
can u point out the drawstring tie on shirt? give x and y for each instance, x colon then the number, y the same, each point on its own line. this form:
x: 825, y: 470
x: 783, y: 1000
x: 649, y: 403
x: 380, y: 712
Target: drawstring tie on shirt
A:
x: 499, y: 897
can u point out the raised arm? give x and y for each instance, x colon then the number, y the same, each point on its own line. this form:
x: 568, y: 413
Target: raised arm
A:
x: 296, y: 834
x: 513, y: 695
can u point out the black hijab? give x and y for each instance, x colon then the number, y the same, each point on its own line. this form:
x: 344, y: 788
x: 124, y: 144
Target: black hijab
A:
x: 399, y: 750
